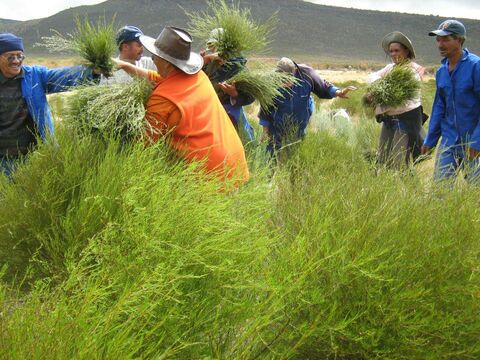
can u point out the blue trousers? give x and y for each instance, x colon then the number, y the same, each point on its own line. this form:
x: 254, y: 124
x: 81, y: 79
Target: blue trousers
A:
x: 7, y: 166
x: 451, y: 159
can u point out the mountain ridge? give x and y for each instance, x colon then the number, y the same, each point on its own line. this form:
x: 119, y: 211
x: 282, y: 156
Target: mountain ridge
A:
x: 305, y: 29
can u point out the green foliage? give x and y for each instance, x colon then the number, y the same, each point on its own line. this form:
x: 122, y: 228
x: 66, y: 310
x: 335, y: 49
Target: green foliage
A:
x: 93, y: 43
x: 123, y: 252
x: 240, y: 35
x: 265, y: 85
x: 117, y: 109
x: 394, y: 89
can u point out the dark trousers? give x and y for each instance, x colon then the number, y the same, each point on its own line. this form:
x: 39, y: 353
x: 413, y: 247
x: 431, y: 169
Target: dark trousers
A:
x: 401, y: 138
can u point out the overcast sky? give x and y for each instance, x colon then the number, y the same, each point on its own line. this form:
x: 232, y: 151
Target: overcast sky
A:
x: 447, y: 8
x: 34, y: 9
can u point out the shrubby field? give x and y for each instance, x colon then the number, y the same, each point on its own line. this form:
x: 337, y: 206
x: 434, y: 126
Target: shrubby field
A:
x: 120, y: 251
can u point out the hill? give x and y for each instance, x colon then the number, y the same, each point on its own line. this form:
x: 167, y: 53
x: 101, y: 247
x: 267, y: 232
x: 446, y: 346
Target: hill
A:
x: 305, y: 30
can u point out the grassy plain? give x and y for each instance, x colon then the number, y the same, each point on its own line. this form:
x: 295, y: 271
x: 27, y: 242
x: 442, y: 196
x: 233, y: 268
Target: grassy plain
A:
x: 113, y: 251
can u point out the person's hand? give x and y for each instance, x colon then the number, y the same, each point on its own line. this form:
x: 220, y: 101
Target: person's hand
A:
x: 342, y: 93
x: 368, y: 98
x: 229, y: 89
x: 119, y: 64
x: 265, y: 134
x: 425, y: 150
x: 473, y: 153
x: 208, y: 58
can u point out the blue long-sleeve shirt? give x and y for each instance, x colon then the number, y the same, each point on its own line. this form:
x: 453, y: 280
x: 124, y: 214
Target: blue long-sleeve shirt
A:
x: 39, y: 81
x: 456, y: 108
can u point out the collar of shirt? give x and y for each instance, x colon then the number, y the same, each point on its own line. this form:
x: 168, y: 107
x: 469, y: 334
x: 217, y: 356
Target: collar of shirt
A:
x: 464, y: 57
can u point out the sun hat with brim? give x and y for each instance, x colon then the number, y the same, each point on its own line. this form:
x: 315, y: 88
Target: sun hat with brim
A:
x: 449, y: 27
x: 397, y: 37
x: 174, y: 45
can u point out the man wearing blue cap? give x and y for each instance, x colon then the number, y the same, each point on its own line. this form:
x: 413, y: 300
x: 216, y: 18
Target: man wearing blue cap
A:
x: 456, y: 108
x: 24, y: 111
x: 130, y: 50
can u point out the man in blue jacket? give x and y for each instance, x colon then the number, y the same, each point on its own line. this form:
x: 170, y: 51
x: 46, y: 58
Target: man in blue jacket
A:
x: 24, y: 111
x: 456, y: 108
x: 286, y: 121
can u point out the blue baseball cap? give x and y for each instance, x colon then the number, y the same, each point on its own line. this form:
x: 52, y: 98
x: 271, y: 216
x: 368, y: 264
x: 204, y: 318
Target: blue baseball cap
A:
x: 128, y: 33
x: 449, y: 27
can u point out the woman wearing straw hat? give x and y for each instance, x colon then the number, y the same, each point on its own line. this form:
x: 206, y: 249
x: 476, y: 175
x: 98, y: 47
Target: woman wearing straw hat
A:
x: 185, y: 107
x: 402, y: 133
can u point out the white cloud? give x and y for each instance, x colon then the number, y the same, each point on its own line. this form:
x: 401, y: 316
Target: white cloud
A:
x: 35, y: 9
x: 446, y: 8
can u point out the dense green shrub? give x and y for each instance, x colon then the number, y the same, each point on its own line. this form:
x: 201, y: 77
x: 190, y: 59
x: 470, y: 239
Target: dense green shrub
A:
x: 133, y: 254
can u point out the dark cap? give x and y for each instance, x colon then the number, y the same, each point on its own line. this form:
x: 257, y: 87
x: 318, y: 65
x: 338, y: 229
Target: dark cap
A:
x: 449, y: 27
x: 128, y: 33
x: 10, y: 42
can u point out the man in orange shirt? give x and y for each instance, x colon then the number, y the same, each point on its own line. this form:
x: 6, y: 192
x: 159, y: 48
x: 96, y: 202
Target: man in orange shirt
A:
x: 184, y: 105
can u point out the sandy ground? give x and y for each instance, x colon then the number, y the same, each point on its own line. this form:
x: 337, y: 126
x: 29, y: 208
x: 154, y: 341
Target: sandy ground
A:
x: 343, y: 75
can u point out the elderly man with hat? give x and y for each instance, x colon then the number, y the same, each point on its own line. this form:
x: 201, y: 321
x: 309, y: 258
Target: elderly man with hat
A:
x: 184, y: 107
x: 24, y: 111
x: 130, y: 50
x: 286, y: 121
x: 456, y: 108
x: 402, y: 134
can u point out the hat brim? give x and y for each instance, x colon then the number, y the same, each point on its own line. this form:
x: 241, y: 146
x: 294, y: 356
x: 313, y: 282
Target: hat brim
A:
x: 397, y: 37
x: 191, y: 66
x: 439, y: 33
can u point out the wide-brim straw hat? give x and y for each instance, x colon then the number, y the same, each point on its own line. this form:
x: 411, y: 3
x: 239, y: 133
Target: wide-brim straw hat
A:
x: 397, y: 37
x: 174, y: 45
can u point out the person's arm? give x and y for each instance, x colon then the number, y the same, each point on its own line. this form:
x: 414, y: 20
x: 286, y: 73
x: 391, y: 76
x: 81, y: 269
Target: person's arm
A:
x: 237, y: 97
x: 162, y: 117
x: 265, y: 120
x: 474, y: 150
x: 379, y: 74
x: 131, y: 69
x: 323, y: 88
x: 61, y: 79
x: 434, y: 127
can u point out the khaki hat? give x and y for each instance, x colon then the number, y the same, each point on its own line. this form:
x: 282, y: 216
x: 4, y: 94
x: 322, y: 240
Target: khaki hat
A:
x: 174, y: 45
x: 397, y: 37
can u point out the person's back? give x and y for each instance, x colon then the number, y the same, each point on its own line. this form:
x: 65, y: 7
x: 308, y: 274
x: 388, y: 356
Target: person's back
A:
x: 205, y: 131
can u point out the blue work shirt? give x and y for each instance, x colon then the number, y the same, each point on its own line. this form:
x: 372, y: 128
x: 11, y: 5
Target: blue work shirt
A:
x: 39, y: 81
x: 456, y: 108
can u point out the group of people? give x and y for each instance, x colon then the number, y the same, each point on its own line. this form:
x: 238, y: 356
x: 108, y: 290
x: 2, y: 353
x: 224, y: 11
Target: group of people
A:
x: 455, y: 116
x: 200, y: 114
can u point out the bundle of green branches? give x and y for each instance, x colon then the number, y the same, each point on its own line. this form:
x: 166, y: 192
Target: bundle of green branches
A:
x: 239, y: 34
x: 394, y: 89
x: 94, y: 43
x: 117, y: 109
x: 265, y: 85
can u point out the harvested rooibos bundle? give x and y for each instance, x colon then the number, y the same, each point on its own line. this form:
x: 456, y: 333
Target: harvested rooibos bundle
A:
x: 264, y: 85
x: 394, y: 89
x: 239, y: 33
x: 93, y: 43
x: 117, y: 110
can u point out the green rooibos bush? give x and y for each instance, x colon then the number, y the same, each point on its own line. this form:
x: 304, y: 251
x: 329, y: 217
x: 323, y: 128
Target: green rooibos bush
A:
x: 394, y: 89
x: 265, y: 85
x: 135, y: 256
x: 240, y: 34
x: 111, y: 110
x: 94, y: 43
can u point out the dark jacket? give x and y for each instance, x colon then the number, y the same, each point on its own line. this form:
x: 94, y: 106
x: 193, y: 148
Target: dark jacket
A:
x: 292, y: 110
